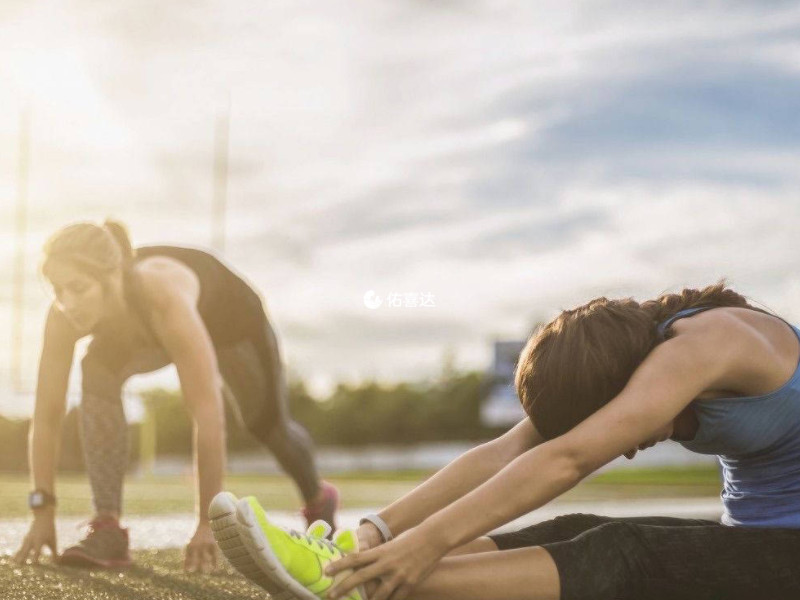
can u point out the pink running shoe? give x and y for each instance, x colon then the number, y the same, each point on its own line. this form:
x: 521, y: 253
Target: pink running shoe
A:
x: 325, y: 508
x: 105, y: 546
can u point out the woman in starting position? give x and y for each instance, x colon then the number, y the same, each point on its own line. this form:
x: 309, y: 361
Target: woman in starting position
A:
x: 146, y: 308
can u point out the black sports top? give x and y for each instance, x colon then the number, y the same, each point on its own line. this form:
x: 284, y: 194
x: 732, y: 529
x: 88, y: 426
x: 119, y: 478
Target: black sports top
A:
x: 227, y: 304
x: 229, y: 307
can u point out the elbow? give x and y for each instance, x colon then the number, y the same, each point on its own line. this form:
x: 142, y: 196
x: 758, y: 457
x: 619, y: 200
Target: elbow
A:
x: 567, y: 465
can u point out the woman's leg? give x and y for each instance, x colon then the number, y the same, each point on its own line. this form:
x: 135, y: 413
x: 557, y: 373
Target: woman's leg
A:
x: 520, y: 574
x: 566, y: 527
x: 657, y: 558
x: 561, y: 528
x: 104, y: 433
x: 481, y: 544
x: 253, y: 371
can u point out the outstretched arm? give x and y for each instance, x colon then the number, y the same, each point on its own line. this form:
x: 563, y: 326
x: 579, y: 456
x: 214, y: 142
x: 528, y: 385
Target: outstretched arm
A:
x: 45, y: 432
x: 458, y: 478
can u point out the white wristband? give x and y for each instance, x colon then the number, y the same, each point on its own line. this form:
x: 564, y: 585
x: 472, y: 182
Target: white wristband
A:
x: 380, y: 524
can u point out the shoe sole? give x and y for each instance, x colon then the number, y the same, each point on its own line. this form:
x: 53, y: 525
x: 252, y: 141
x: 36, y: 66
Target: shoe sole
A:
x: 264, y: 558
x: 222, y: 513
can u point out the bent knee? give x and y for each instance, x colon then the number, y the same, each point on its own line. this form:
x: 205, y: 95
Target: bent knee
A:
x: 267, y: 429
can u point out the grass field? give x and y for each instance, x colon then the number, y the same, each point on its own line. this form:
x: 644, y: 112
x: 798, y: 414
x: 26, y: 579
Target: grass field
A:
x: 158, y: 574
x: 165, y: 495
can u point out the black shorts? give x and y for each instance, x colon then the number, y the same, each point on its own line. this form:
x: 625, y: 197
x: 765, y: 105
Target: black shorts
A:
x: 665, y: 558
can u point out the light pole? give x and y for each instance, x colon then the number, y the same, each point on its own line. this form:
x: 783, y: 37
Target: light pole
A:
x: 221, y: 150
x: 18, y: 294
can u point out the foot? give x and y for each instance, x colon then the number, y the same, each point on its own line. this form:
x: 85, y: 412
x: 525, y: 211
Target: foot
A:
x: 292, y: 560
x: 324, y: 507
x: 105, y: 545
x: 222, y: 513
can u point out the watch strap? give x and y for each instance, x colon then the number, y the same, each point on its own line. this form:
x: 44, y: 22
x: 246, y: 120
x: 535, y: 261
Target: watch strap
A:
x: 41, y: 499
x: 386, y: 533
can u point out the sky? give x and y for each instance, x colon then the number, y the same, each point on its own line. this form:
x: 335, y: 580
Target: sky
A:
x: 501, y: 160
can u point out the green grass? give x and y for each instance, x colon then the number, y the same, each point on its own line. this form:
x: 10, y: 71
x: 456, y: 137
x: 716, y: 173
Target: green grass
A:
x: 665, y: 476
x: 164, y: 495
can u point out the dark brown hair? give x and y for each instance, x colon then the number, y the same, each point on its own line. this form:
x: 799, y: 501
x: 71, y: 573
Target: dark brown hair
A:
x: 579, y: 361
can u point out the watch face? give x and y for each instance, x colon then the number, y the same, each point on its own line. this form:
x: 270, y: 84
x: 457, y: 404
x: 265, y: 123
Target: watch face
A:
x: 36, y: 500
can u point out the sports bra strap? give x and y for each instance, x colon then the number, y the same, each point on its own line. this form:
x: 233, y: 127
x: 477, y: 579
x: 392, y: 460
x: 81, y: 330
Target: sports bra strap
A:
x: 662, y: 327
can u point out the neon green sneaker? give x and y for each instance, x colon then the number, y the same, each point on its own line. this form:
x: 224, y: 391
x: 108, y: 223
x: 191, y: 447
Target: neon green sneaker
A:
x: 222, y: 514
x: 292, y: 560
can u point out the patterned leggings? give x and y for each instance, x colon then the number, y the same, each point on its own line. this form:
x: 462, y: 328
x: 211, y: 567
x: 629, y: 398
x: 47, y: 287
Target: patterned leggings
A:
x: 664, y: 558
x: 255, y: 386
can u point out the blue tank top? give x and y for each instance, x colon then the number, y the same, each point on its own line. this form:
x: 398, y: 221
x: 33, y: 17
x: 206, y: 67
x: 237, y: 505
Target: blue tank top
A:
x: 757, y: 442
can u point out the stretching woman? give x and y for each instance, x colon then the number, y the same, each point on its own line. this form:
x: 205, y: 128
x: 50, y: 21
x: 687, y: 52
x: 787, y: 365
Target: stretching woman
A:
x: 703, y: 367
x: 147, y: 308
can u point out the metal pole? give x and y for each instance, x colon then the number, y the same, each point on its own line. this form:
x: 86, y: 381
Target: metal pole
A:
x: 221, y: 150
x: 18, y: 294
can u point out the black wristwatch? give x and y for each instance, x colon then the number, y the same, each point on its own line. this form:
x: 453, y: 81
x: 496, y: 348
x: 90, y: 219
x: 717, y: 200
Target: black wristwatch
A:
x: 40, y: 499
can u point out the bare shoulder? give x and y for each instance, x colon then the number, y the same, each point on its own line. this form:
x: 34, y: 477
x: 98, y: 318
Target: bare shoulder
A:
x: 761, y: 349
x: 747, y: 330
x: 164, y: 280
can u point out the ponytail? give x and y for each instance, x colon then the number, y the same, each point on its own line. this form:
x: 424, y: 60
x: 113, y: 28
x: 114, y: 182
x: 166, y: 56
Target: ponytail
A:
x: 120, y: 234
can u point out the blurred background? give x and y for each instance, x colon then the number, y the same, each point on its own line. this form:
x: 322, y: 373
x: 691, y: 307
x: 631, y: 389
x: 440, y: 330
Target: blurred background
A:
x: 411, y: 185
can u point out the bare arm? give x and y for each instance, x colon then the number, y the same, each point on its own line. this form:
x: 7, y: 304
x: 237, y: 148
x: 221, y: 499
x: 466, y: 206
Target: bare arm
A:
x: 173, y: 293
x: 185, y: 338
x: 671, y: 376
x: 458, y: 478
x: 45, y: 432
x: 51, y: 393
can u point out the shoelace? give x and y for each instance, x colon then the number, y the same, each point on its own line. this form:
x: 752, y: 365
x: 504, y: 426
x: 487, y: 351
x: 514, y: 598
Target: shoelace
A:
x: 88, y: 525
x: 322, y: 543
x: 92, y: 526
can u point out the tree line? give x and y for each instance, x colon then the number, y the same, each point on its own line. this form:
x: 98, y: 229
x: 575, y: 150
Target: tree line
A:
x: 351, y: 415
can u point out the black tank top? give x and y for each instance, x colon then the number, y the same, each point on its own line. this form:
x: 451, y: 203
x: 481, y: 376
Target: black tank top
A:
x: 229, y: 306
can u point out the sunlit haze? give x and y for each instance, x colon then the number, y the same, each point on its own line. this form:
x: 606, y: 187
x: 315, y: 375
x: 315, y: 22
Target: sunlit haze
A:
x: 509, y: 159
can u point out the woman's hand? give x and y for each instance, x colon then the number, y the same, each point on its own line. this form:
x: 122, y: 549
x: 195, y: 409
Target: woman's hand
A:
x: 201, y: 552
x: 369, y: 536
x: 42, y: 533
x: 399, y: 565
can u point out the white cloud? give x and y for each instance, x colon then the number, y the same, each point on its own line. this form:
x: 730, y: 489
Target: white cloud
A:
x: 512, y: 158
